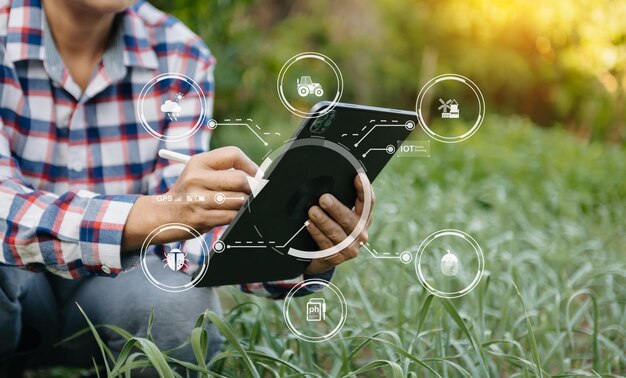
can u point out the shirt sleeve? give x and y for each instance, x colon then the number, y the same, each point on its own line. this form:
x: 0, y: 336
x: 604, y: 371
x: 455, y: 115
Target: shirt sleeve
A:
x: 74, y: 234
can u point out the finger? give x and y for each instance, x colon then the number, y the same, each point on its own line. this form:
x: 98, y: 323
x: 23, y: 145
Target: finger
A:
x: 215, y: 218
x: 324, y: 264
x: 318, y: 266
x: 322, y: 241
x: 360, y: 192
x: 340, y: 213
x: 228, y: 181
x: 334, y: 260
x: 329, y: 227
x: 226, y: 158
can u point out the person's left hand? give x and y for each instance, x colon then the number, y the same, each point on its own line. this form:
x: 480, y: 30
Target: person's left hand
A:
x: 331, y: 222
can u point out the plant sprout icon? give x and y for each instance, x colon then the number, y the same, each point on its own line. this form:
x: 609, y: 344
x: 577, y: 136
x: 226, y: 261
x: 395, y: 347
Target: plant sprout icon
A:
x: 449, y: 109
x: 449, y: 264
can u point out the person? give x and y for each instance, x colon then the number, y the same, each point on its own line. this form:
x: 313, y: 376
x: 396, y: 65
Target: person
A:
x: 79, y: 176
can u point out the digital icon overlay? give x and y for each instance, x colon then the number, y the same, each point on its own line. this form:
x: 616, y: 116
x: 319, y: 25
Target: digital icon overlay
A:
x: 166, y: 274
x: 175, y: 259
x: 452, y: 126
x: 316, y: 310
x: 296, y: 76
x: 172, y: 107
x: 449, y: 109
x: 179, y: 98
x: 449, y: 263
x: 254, y: 128
x: 305, y: 87
x: 315, y: 319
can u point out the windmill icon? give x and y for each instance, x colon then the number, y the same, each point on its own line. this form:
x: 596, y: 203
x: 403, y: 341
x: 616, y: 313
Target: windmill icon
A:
x: 449, y: 109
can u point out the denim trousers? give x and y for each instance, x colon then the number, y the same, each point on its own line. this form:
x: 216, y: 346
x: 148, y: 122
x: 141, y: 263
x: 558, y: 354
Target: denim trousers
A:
x: 37, y: 310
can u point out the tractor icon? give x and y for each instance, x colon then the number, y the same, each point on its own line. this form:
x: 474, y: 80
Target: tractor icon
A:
x: 306, y: 87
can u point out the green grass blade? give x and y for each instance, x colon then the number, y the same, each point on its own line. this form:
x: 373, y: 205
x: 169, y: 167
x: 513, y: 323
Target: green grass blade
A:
x: 200, y: 343
x: 104, y: 349
x: 454, y: 314
x: 228, y: 333
x: 396, y: 370
x: 155, y: 357
x: 531, y: 334
x: 150, y: 324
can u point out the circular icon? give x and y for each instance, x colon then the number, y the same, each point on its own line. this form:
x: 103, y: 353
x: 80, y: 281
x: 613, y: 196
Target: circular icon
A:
x: 171, y: 98
x: 390, y: 149
x: 406, y: 257
x: 220, y: 198
x: 307, y: 83
x: 316, y: 317
x: 449, y: 263
x: 219, y: 246
x: 453, y: 119
x: 409, y: 125
x: 166, y: 275
x: 212, y: 124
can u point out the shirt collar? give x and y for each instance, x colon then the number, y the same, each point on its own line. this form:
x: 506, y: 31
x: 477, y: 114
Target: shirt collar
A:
x: 137, y: 48
x: 25, y: 36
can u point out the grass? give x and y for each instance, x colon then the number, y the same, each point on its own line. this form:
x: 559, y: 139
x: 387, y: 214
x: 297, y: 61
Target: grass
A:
x: 549, y: 214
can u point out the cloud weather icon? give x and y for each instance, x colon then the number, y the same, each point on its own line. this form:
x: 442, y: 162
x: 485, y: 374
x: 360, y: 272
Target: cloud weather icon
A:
x: 170, y: 107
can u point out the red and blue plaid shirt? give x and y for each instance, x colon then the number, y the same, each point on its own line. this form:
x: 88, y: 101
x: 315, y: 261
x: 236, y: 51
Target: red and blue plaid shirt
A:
x: 73, y: 162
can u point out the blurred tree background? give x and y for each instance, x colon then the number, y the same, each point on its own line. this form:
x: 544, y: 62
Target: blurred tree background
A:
x: 558, y: 63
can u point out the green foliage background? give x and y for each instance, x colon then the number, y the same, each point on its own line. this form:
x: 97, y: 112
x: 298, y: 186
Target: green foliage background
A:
x: 561, y: 64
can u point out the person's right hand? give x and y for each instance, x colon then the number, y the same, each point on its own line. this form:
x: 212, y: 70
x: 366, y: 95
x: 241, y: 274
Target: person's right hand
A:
x: 223, y: 170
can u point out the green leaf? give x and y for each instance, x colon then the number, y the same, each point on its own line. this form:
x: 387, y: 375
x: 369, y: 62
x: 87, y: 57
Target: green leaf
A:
x: 227, y: 332
x: 396, y: 370
x: 531, y: 333
x: 103, y: 347
x: 156, y: 358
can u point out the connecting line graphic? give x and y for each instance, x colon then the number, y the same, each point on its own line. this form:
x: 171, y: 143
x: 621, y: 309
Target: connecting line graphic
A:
x: 221, y: 198
x: 390, y: 149
x: 262, y: 244
x: 383, y: 123
x: 240, y: 122
x: 405, y: 257
x: 248, y: 244
x: 251, y: 244
x: 294, y: 235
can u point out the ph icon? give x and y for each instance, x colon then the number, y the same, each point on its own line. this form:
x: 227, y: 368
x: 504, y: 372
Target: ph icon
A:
x: 316, y: 310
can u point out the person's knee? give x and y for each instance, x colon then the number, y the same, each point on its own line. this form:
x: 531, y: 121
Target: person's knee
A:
x: 20, y: 293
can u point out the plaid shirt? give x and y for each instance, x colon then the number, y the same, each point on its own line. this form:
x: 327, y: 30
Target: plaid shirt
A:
x: 73, y: 162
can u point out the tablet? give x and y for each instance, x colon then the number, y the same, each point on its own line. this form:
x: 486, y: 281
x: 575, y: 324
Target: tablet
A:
x: 268, y: 240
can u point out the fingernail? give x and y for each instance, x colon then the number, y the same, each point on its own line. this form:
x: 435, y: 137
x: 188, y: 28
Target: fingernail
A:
x: 326, y: 200
x: 315, y: 212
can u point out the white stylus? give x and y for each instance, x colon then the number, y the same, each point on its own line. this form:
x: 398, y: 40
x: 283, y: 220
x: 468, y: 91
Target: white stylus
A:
x: 176, y: 156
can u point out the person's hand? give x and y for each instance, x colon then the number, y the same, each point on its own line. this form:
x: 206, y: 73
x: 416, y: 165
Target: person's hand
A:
x: 331, y: 222
x: 223, y: 170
